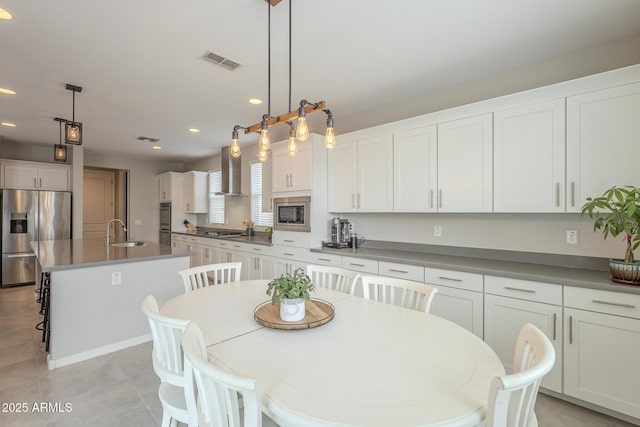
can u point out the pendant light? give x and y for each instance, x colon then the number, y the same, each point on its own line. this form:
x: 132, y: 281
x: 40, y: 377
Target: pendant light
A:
x: 292, y: 147
x: 73, y: 129
x: 59, y: 150
x: 235, y: 149
x: 329, y: 136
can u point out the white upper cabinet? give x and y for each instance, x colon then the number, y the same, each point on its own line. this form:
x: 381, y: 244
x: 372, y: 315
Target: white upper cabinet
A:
x: 603, y: 132
x: 194, y: 187
x: 529, y: 158
x: 360, y: 175
x: 35, y: 176
x: 415, y: 170
x: 292, y: 173
x: 465, y: 166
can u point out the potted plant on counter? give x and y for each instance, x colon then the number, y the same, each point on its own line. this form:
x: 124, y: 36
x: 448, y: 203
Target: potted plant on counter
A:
x: 291, y: 290
x: 617, y: 212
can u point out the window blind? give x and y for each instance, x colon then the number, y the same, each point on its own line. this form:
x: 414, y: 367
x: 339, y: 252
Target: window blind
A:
x: 216, y: 203
x: 257, y: 215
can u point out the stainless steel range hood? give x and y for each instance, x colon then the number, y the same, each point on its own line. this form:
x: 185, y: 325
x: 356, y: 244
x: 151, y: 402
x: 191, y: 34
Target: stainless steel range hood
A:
x: 231, y: 174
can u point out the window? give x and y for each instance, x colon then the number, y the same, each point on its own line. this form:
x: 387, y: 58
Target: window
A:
x: 216, y: 203
x: 258, y: 216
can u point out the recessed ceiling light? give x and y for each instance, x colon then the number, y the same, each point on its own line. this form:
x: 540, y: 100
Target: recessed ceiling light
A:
x: 5, y: 15
x: 255, y: 101
x: 157, y: 147
x: 7, y: 91
x: 194, y: 130
x: 7, y: 124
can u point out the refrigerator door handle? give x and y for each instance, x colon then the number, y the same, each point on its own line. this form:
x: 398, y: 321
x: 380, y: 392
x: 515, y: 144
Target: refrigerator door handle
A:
x: 21, y: 255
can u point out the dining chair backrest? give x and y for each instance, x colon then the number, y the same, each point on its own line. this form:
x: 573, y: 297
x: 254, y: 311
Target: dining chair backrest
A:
x: 338, y: 279
x: 166, y: 333
x: 217, y: 389
x: 203, y: 275
x: 405, y: 293
x: 512, y: 397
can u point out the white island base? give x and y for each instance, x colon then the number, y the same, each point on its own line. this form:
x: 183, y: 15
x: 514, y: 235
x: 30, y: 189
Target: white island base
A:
x: 92, y: 314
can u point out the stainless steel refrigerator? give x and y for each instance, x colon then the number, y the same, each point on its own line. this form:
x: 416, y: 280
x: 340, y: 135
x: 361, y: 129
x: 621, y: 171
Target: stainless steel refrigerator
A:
x: 30, y: 216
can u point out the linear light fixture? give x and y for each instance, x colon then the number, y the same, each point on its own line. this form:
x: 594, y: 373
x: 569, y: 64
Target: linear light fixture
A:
x: 301, y: 129
x: 73, y: 129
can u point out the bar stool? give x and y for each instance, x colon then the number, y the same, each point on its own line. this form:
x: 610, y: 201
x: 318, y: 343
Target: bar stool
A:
x: 44, y: 326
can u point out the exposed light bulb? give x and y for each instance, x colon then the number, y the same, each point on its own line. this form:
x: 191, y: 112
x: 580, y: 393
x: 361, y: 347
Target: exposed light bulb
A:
x: 262, y: 155
x: 235, y: 150
x: 330, y: 139
x: 302, y: 130
x: 264, y: 143
x: 292, y: 148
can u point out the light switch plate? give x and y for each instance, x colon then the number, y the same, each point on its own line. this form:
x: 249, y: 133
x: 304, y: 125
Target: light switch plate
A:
x: 116, y: 278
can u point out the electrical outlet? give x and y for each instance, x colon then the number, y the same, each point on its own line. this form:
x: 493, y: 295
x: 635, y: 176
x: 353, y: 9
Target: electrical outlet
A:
x: 116, y: 278
x: 572, y: 237
x: 437, y: 231
x: 137, y: 222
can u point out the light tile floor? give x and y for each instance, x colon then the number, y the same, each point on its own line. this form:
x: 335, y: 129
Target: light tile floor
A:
x: 120, y: 389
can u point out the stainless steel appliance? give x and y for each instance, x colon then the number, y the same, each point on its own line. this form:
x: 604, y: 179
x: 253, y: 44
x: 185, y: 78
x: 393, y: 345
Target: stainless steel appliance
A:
x: 292, y: 213
x: 165, y: 223
x: 340, y: 232
x: 30, y: 216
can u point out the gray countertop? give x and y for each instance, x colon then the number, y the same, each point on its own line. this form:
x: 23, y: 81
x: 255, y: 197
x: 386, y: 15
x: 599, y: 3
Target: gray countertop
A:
x: 258, y: 238
x: 580, y: 277
x: 80, y: 253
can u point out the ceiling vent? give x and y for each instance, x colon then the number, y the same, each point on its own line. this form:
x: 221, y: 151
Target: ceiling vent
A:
x: 146, y: 138
x: 220, y: 60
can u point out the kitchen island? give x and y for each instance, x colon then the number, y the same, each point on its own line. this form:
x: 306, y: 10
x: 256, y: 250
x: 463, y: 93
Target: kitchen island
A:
x: 96, y: 293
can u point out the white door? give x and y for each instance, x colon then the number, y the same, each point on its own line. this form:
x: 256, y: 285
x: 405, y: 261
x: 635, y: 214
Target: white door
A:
x: 342, y: 168
x: 462, y: 307
x: 375, y: 174
x: 601, y: 354
x: 465, y: 165
x: 529, y: 158
x: 603, y: 133
x: 503, y: 319
x: 98, y: 205
x: 415, y: 170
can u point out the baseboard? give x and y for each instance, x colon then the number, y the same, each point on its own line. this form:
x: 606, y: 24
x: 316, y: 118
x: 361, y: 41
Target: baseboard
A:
x: 100, y: 351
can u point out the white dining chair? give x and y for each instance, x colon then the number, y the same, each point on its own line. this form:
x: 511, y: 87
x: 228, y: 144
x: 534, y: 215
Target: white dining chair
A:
x: 218, y: 391
x: 405, y: 293
x: 201, y: 276
x: 168, y: 364
x: 512, y: 397
x: 338, y: 279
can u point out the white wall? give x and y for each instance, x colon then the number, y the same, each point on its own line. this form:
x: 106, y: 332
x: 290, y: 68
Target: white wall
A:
x: 143, y: 190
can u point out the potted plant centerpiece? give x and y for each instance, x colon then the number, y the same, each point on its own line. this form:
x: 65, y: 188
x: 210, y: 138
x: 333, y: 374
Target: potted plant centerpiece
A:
x: 617, y: 212
x: 291, y: 290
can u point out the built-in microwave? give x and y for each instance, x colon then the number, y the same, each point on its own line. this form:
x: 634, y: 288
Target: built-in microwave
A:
x: 291, y: 213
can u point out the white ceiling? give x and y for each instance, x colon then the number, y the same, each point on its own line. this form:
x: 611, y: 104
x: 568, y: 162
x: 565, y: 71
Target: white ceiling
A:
x: 140, y: 68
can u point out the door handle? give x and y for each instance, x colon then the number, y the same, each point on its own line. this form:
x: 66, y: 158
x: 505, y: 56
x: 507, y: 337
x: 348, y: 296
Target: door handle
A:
x: 21, y: 255
x: 557, y: 194
x: 431, y: 199
x: 439, y: 198
x: 34, y: 183
x: 554, y: 325
x: 570, y: 329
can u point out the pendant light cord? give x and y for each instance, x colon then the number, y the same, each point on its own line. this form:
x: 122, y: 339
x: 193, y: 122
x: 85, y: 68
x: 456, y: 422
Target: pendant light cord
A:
x: 269, y: 61
x: 289, y: 55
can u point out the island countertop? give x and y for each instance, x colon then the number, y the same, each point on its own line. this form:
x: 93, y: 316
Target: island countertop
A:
x: 80, y: 253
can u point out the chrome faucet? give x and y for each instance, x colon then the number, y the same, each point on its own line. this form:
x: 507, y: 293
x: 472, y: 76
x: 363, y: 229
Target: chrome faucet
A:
x: 124, y: 228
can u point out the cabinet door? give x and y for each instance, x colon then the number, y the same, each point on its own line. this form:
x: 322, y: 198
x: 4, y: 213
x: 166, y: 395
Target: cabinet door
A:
x: 187, y: 192
x: 465, y: 165
x: 164, y: 187
x: 281, y: 161
x: 603, y: 131
x: 300, y: 166
x: 415, y: 170
x: 601, y: 358
x: 462, y: 307
x: 342, y: 168
x: 208, y: 255
x: 53, y: 178
x: 375, y: 174
x: 503, y: 319
x: 267, y: 186
x: 284, y: 266
x: 260, y: 267
x: 20, y: 177
x: 529, y: 158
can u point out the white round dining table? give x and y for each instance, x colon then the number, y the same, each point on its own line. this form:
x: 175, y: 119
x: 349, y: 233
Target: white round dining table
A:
x: 372, y: 365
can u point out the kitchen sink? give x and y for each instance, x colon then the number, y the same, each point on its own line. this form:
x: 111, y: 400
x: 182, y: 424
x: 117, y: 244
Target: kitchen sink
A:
x: 225, y: 234
x: 129, y: 244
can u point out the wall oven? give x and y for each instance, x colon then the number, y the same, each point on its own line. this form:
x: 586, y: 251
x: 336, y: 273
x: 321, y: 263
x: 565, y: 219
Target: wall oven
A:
x: 165, y: 223
x: 292, y: 213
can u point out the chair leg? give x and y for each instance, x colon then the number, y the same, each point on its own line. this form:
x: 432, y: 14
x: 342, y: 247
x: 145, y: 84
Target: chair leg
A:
x: 166, y: 419
x: 174, y: 422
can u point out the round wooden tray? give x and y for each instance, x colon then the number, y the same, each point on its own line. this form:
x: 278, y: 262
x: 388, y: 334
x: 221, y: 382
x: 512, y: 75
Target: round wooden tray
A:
x: 318, y: 312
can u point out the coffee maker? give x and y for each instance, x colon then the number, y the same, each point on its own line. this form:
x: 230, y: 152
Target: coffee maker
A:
x: 340, y: 233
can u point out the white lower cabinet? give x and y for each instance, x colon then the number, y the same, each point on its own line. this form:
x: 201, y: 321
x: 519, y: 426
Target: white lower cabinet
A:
x: 602, y: 348
x: 508, y: 305
x: 189, y: 243
x: 401, y: 271
x: 208, y: 254
x: 459, y: 297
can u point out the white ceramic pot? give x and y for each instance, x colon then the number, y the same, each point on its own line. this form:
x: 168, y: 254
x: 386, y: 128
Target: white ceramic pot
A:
x: 292, y: 310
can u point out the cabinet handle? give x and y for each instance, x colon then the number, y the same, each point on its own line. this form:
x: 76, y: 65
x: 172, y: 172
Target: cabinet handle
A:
x: 573, y: 193
x: 353, y: 200
x: 272, y: 203
x: 398, y: 271
x: 431, y: 199
x: 257, y: 249
x: 530, y: 291
x: 287, y: 240
x: 450, y: 278
x: 40, y: 182
x: 554, y: 326
x: 617, y: 304
x: 439, y: 198
x: 34, y: 183
x: 287, y: 254
x: 557, y: 194
x: 324, y: 259
x: 357, y: 265
x: 223, y: 244
x: 358, y: 200
x: 570, y: 329
x: 236, y: 246
x: 292, y: 182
